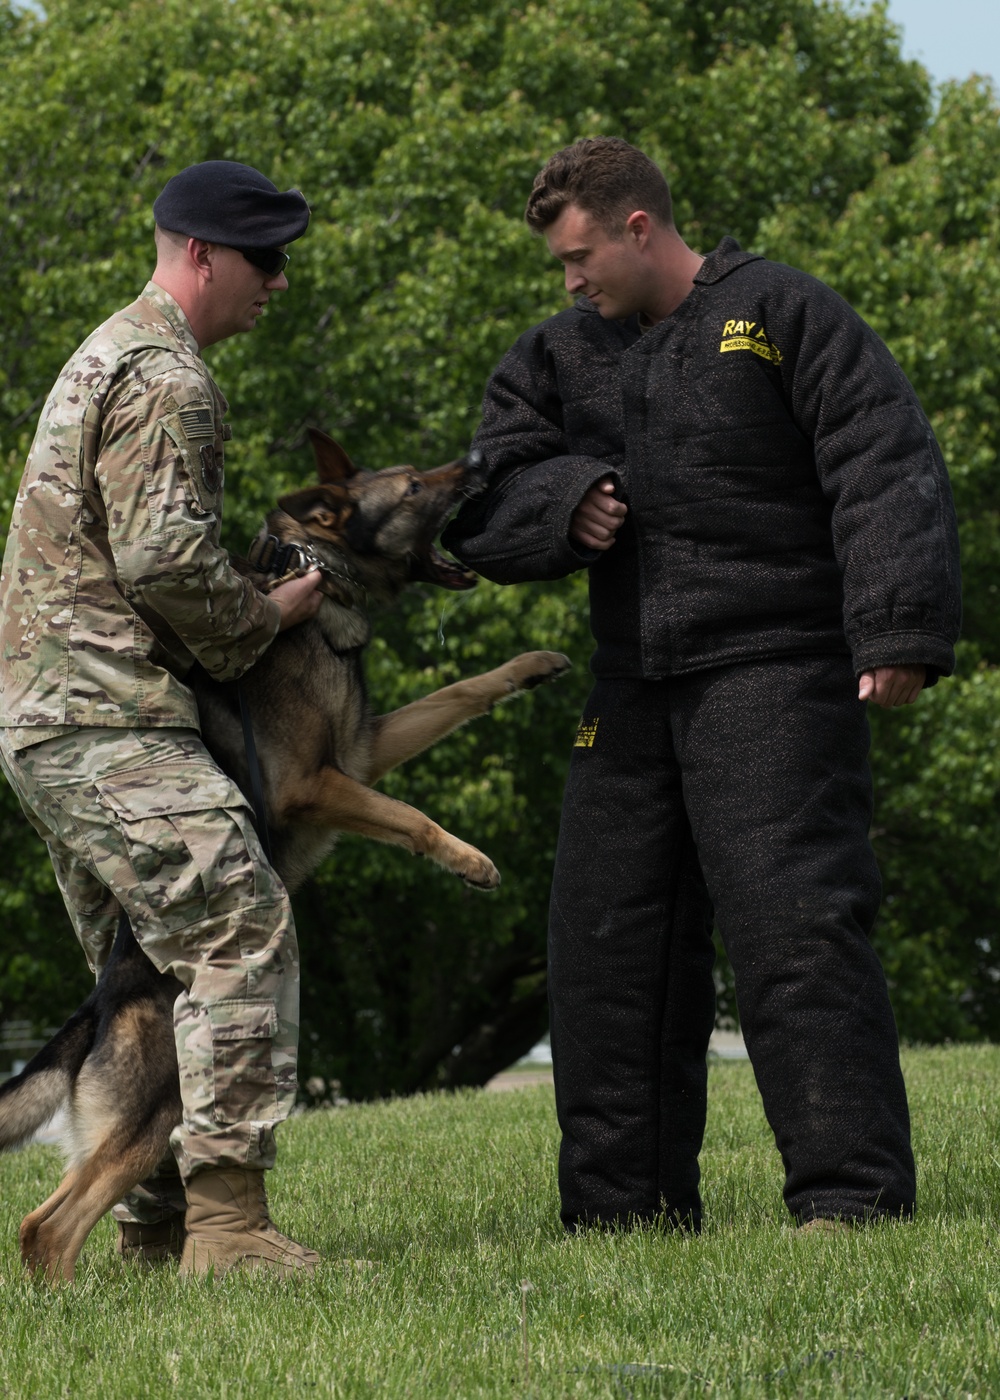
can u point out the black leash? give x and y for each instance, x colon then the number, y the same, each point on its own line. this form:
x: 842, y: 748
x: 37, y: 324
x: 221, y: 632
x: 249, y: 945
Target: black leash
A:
x: 256, y: 783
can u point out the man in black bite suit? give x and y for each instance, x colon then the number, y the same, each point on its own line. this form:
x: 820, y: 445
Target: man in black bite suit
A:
x: 766, y: 518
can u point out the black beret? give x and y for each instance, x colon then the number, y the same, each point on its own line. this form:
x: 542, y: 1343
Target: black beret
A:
x: 222, y: 201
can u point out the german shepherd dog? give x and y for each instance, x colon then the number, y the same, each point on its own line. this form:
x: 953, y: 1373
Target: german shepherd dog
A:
x: 320, y: 747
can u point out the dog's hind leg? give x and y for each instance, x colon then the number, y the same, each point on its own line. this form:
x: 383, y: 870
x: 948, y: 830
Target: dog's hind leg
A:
x: 124, y: 1105
x: 31, y: 1224
x: 53, y: 1235
x: 408, y: 731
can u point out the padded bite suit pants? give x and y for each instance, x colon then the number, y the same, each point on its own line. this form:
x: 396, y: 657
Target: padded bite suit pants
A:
x: 745, y: 789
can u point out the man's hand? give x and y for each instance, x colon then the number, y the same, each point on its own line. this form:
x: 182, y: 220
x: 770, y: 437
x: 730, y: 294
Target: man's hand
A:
x: 598, y: 516
x: 892, y: 685
x: 298, y: 599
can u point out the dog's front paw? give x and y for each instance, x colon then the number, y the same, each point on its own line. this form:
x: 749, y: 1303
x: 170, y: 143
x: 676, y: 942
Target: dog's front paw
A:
x: 485, y: 877
x: 533, y: 668
x: 478, y: 870
x: 468, y: 864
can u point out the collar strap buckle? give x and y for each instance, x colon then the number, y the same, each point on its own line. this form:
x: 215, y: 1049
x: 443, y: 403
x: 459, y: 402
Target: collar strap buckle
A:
x: 270, y: 556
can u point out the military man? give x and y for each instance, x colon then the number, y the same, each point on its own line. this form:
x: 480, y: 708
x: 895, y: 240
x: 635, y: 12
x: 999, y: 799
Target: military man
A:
x: 114, y: 583
x: 748, y: 477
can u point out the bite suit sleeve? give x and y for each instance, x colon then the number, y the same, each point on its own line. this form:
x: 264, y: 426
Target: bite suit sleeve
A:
x: 881, y: 470
x: 518, y: 529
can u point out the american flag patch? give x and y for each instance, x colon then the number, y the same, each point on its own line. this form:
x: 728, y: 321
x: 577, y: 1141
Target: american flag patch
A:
x: 197, y: 422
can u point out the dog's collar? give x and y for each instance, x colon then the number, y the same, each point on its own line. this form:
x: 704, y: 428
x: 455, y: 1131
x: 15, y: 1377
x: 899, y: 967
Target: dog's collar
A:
x: 268, y: 555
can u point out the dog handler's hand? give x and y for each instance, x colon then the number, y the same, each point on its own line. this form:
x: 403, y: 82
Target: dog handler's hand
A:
x: 598, y: 516
x: 889, y: 686
x: 298, y: 599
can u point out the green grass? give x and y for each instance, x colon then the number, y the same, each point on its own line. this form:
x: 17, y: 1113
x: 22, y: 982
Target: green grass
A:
x: 453, y: 1200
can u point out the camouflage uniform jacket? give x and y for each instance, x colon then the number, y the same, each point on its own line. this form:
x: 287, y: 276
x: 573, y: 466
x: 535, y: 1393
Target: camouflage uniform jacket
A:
x: 114, y: 581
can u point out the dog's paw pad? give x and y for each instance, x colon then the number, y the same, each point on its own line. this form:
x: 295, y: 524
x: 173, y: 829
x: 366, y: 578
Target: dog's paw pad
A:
x: 481, y: 884
x: 485, y: 877
x: 540, y: 667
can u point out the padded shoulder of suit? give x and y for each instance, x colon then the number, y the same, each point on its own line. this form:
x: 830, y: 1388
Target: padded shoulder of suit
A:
x: 582, y: 319
x: 759, y: 274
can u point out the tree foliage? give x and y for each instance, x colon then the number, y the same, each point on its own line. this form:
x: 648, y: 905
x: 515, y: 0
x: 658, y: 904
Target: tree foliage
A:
x: 915, y: 251
x: 415, y: 127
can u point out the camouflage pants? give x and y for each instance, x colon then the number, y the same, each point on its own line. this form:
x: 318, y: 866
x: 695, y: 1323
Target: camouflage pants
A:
x: 145, y: 821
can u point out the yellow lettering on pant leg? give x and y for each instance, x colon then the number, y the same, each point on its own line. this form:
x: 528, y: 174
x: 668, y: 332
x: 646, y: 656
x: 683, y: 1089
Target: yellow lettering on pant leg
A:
x: 750, y: 326
x: 727, y: 329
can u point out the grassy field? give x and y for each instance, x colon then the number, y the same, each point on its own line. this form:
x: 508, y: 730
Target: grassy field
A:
x: 451, y: 1203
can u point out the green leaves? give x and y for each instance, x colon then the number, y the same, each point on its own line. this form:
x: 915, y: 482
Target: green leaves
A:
x: 415, y: 129
x: 938, y: 778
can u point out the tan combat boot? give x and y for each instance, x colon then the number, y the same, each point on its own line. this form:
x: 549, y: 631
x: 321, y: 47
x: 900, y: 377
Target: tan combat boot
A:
x: 825, y: 1225
x: 228, y: 1227
x: 151, y: 1244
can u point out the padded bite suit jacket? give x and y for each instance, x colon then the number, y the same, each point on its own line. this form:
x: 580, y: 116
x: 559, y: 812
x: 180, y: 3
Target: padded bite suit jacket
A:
x: 786, y: 493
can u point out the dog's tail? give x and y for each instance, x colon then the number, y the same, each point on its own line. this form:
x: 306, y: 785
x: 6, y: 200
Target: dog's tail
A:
x: 29, y: 1099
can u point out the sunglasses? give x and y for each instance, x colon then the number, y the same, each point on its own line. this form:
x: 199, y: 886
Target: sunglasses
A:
x: 269, y: 260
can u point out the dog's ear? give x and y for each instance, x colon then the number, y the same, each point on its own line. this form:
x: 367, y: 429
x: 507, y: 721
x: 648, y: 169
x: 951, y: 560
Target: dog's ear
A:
x: 332, y: 462
x: 321, y: 505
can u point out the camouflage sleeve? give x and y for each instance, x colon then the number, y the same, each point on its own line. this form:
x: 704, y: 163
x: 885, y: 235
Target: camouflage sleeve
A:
x: 159, y: 473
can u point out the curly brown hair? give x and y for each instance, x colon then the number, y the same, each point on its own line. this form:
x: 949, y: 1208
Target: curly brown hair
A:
x: 603, y: 175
